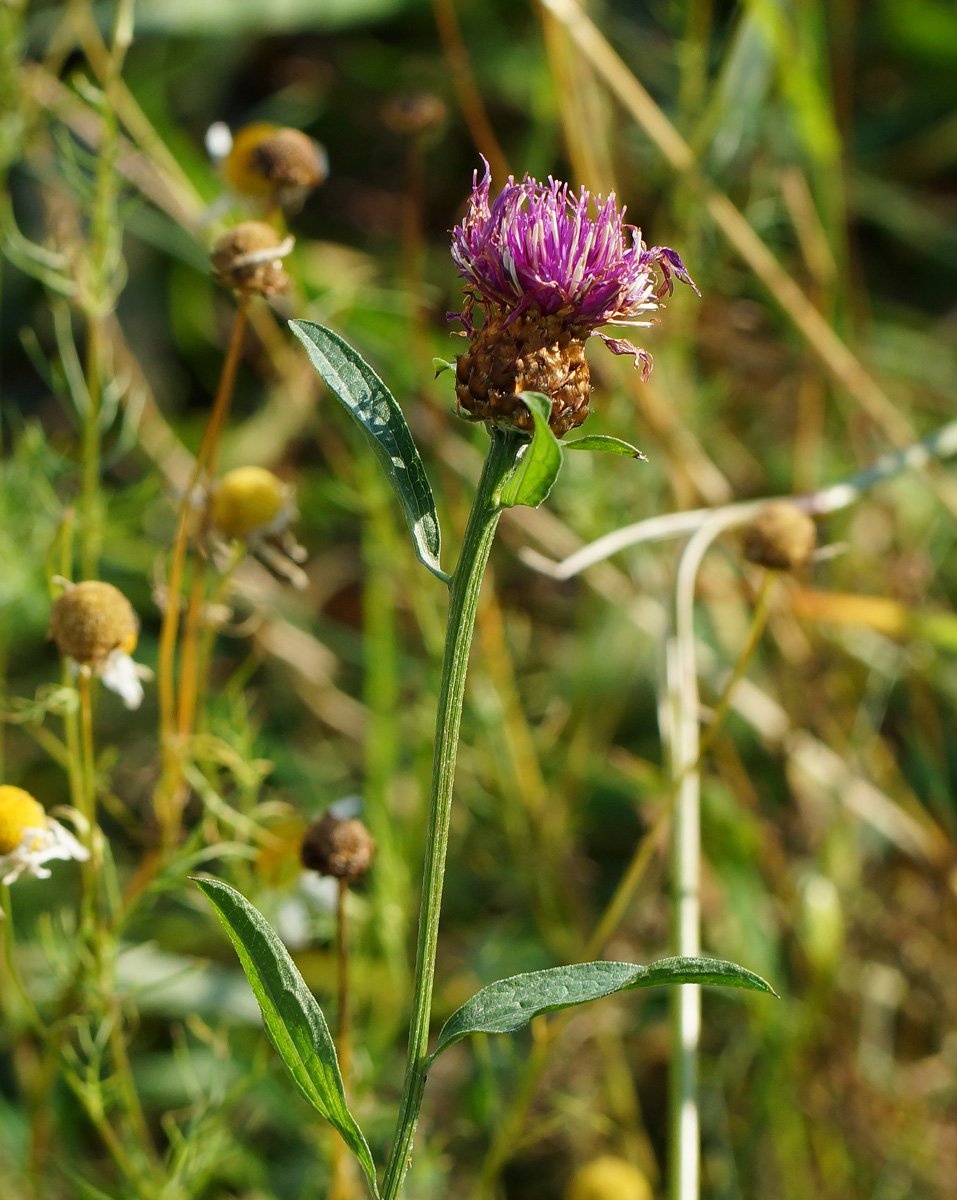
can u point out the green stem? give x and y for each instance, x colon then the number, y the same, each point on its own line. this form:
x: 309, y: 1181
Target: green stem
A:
x: 463, y: 601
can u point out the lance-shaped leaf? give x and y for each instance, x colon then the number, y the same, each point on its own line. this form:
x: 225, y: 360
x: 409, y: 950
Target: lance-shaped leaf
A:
x: 606, y: 444
x: 367, y: 398
x: 511, y: 1003
x: 537, y: 469
x: 291, y: 1016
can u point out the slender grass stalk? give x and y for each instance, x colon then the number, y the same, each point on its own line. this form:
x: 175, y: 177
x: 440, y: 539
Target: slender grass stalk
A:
x: 463, y: 600
x: 14, y: 977
x: 342, y: 1166
x: 87, y: 807
x: 169, y: 797
x: 344, y: 1041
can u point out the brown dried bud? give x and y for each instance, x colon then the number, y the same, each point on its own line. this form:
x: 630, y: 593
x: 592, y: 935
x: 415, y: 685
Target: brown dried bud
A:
x: 91, y: 620
x: 413, y: 113
x: 532, y: 354
x: 249, y: 259
x: 333, y: 846
x: 781, y: 536
x: 289, y: 160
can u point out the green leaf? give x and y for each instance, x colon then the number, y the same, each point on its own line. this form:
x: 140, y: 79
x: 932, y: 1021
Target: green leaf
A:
x: 227, y: 18
x: 291, y: 1016
x: 372, y: 404
x: 439, y: 365
x: 608, y: 445
x: 538, y: 467
x: 511, y: 1003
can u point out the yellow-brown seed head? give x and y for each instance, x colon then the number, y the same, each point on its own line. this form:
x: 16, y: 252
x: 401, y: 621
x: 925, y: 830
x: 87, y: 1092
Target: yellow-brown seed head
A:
x: 91, y: 620
x: 18, y: 811
x: 242, y: 259
x: 274, y: 162
x: 247, y: 498
x: 342, y: 848
x: 288, y: 160
x: 608, y: 1178
x: 532, y: 354
x: 781, y: 536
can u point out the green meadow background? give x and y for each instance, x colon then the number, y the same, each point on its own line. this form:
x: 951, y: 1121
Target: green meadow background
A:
x: 822, y: 132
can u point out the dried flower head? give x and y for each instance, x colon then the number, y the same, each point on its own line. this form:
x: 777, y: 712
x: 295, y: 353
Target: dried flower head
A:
x: 275, y: 162
x: 29, y: 838
x: 342, y: 847
x: 248, y: 258
x: 253, y: 504
x: 608, y: 1178
x: 781, y: 536
x: 547, y: 275
x: 413, y: 113
x: 96, y: 629
x: 251, y: 500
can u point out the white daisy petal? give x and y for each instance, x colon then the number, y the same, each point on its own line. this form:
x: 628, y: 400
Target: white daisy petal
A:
x: 123, y: 676
x: 39, y: 846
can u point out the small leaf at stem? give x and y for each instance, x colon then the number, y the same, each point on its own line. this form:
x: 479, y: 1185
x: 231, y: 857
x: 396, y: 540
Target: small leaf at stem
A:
x: 367, y: 398
x: 509, y: 1004
x: 439, y: 365
x: 606, y: 444
x: 537, y: 469
x: 291, y: 1016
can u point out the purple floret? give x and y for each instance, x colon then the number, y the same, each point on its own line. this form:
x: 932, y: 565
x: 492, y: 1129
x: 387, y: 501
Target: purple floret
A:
x: 535, y: 246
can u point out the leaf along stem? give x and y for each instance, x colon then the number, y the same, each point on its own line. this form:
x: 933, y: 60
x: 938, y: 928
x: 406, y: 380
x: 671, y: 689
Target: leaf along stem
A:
x: 463, y: 601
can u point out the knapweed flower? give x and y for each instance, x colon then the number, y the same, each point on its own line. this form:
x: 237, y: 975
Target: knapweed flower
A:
x: 29, y: 838
x: 547, y: 276
x: 96, y: 629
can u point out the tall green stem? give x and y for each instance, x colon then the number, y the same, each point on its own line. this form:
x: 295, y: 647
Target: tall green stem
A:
x: 463, y: 600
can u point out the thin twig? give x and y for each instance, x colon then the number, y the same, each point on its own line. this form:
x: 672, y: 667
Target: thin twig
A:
x: 939, y: 445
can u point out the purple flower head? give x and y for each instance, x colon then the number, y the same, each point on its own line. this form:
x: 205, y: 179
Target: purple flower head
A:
x: 535, y: 247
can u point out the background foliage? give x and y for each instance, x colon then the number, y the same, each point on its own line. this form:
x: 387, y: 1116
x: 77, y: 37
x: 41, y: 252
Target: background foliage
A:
x: 829, y: 816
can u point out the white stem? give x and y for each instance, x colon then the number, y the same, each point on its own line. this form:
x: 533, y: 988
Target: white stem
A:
x: 682, y: 677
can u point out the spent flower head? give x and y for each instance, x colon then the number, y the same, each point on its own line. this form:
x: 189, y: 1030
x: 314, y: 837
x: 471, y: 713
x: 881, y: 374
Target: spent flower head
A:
x: 268, y: 162
x: 254, y: 505
x: 29, y: 838
x: 96, y: 629
x: 251, y: 501
x: 248, y: 259
x: 548, y: 269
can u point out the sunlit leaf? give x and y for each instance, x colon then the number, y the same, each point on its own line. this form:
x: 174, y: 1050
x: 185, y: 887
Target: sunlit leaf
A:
x: 291, y: 1016
x: 605, y: 444
x: 509, y: 1004
x: 538, y: 467
x: 367, y: 398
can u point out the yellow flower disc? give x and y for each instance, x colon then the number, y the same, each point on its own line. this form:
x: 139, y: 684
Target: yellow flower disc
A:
x: 18, y: 811
x: 608, y: 1178
x: 247, y: 498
